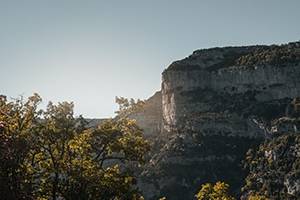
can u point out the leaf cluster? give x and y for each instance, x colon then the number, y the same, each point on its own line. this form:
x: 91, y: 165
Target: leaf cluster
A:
x: 50, y: 154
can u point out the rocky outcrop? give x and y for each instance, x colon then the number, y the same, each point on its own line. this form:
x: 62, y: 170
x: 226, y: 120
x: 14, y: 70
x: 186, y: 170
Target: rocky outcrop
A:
x: 149, y: 117
x: 216, y: 104
x: 274, y: 168
x: 194, y: 85
x: 274, y: 165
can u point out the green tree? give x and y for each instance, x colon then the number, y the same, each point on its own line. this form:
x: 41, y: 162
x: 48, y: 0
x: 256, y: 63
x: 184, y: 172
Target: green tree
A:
x: 60, y: 146
x: 50, y: 154
x: 218, y: 191
x: 128, y: 106
x: 18, y: 119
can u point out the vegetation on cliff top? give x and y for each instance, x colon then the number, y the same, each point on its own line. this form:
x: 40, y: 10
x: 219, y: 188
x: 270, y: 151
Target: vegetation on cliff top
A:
x: 273, y: 55
x: 239, y: 56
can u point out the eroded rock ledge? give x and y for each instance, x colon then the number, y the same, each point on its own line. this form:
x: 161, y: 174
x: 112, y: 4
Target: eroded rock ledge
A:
x: 216, y: 104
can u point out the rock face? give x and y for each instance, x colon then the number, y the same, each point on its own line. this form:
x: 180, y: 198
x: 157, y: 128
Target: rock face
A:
x: 189, y: 86
x: 149, y: 118
x: 274, y: 166
x: 216, y: 104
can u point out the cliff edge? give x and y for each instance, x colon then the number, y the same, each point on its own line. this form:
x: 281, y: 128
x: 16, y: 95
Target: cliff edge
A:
x: 216, y: 104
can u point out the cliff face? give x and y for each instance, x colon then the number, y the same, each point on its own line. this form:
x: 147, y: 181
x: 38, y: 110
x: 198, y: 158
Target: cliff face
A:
x: 149, y: 117
x: 194, y: 85
x: 216, y: 104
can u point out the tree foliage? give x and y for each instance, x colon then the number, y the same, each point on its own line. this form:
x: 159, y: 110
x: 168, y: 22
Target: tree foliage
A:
x: 257, y: 197
x: 273, y: 55
x: 218, y: 191
x: 274, y: 168
x: 128, y: 106
x: 50, y: 154
x: 18, y: 124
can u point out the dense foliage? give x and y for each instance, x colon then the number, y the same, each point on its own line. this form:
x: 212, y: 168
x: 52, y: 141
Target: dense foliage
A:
x: 273, y: 55
x: 275, y: 168
x: 218, y: 191
x: 50, y: 154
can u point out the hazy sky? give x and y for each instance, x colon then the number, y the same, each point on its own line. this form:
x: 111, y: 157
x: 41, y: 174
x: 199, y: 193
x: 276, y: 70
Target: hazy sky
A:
x: 91, y: 51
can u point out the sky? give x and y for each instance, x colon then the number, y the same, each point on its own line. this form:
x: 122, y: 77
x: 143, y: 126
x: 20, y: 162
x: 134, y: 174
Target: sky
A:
x: 89, y: 51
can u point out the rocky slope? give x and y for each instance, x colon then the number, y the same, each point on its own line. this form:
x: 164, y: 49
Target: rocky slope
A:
x: 274, y: 166
x: 216, y: 104
x: 149, y: 117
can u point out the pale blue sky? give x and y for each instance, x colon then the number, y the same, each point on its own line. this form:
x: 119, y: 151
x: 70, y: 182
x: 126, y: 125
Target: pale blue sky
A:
x: 90, y: 51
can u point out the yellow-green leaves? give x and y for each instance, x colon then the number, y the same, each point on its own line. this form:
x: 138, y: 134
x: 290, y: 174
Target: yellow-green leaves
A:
x: 50, y: 153
x: 121, y: 139
x: 218, y: 191
x: 18, y: 120
x: 128, y: 106
x: 257, y: 197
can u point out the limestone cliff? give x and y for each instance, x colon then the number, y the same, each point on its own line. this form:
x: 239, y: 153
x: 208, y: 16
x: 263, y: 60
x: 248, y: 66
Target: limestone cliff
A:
x: 149, y: 117
x: 216, y: 104
x: 212, y: 80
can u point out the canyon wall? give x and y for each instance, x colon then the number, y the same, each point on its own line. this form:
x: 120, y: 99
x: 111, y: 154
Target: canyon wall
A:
x: 216, y: 104
x: 189, y: 85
